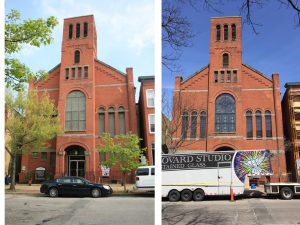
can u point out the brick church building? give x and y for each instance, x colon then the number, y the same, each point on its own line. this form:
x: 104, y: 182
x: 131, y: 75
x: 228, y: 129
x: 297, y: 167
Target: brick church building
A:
x: 92, y: 98
x: 228, y: 105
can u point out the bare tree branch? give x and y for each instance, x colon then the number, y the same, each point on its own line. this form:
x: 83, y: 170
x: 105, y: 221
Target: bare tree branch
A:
x: 176, y: 33
x: 172, y: 123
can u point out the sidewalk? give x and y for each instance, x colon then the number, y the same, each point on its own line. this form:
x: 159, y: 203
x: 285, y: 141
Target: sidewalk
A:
x: 35, y: 189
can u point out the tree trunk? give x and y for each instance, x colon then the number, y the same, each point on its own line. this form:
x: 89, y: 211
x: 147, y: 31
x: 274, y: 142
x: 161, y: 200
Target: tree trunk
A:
x: 13, y: 173
x: 124, y: 181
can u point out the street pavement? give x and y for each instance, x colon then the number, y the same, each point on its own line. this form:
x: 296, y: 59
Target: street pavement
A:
x: 240, y: 212
x: 38, y: 209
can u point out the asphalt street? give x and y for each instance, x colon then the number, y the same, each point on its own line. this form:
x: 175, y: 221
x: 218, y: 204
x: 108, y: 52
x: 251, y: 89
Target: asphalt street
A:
x: 241, y: 212
x: 114, y: 210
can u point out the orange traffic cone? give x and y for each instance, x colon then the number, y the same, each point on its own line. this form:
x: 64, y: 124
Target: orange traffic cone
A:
x: 231, y: 194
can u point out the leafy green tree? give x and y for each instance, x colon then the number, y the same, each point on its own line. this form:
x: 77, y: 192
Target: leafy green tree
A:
x: 123, y: 151
x: 31, y: 121
x: 19, y: 34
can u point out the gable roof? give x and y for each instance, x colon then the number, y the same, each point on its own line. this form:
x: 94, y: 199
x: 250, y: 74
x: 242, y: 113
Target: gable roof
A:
x: 256, y: 71
x: 110, y: 67
x: 194, y: 74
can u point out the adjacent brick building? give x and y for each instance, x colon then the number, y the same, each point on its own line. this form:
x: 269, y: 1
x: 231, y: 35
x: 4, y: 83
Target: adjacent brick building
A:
x: 91, y: 97
x: 291, y: 120
x: 228, y: 105
x: 147, y: 118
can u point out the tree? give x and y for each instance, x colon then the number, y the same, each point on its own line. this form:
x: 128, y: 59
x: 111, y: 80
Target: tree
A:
x: 177, y: 31
x: 31, y: 121
x: 19, y: 34
x: 173, y: 136
x: 123, y: 151
x: 176, y: 34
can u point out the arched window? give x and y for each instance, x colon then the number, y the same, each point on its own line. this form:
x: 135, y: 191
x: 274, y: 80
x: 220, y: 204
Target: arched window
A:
x: 85, y: 29
x: 258, y: 124
x: 101, y: 113
x: 225, y: 60
x: 77, y: 30
x: 218, y: 32
x: 249, y: 125
x: 193, y: 124
x: 268, y: 119
x: 121, y: 113
x: 111, y: 121
x: 233, y: 32
x: 70, y: 31
x: 77, y: 56
x: 75, y: 112
x: 225, y: 113
x: 185, y: 120
x: 203, y: 125
x: 225, y: 32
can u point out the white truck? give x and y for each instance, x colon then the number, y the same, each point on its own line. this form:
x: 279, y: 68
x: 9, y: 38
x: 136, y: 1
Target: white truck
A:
x: 195, y: 175
x: 285, y: 190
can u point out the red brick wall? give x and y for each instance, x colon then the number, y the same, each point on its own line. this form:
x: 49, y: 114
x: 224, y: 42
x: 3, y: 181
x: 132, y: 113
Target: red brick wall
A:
x: 105, y: 87
x: 145, y: 112
x: 252, y: 91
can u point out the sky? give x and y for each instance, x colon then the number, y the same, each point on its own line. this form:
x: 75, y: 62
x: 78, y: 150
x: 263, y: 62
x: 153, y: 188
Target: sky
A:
x: 275, y: 49
x: 125, y: 32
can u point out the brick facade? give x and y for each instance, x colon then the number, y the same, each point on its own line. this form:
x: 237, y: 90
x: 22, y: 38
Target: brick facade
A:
x: 146, y: 108
x: 291, y: 120
x: 202, y: 102
x: 108, y: 95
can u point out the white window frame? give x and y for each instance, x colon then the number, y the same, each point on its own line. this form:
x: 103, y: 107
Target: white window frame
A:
x: 147, y: 91
x: 149, y: 124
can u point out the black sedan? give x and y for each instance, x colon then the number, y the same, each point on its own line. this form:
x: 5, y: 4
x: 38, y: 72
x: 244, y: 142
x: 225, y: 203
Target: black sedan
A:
x: 74, y: 186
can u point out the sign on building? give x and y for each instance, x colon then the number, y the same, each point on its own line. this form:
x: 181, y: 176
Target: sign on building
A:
x: 105, y: 171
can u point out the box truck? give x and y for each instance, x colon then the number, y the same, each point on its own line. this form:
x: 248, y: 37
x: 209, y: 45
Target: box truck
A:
x: 286, y: 190
x: 196, y: 175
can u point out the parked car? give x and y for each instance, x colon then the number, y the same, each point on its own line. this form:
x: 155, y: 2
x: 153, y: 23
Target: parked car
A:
x: 145, y: 178
x: 74, y: 186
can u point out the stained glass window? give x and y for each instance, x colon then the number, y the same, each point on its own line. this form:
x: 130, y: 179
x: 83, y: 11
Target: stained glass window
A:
x: 111, y: 121
x: 258, y: 124
x: 101, y: 121
x: 249, y: 124
x: 193, y: 124
x: 75, y: 112
x: 203, y: 125
x: 268, y: 119
x: 185, y: 119
x: 121, y: 120
x: 225, y: 113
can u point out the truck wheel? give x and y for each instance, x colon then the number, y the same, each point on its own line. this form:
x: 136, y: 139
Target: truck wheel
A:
x: 198, y: 195
x: 286, y: 193
x: 174, y: 196
x: 186, y: 195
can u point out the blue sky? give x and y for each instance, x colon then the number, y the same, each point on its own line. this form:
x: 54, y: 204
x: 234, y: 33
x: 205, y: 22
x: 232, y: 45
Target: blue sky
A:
x: 125, y: 31
x: 275, y: 49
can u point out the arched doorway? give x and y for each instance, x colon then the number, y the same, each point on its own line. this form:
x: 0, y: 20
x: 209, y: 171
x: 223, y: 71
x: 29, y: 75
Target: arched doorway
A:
x: 75, y: 161
x: 224, y: 149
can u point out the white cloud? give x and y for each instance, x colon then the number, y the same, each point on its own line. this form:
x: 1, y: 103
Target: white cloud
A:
x: 119, y: 23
